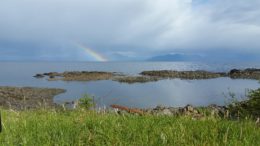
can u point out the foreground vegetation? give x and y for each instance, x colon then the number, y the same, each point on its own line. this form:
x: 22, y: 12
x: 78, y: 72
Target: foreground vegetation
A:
x: 82, y: 127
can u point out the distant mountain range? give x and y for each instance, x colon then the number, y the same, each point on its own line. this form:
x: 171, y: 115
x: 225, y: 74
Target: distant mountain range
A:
x: 176, y: 57
x: 228, y: 56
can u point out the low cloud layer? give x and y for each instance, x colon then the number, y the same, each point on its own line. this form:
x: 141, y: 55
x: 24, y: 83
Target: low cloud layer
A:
x: 119, y: 29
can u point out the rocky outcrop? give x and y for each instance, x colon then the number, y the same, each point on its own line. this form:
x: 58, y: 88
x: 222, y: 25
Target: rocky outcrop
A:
x: 183, y: 74
x: 27, y: 97
x: 39, y: 76
x: 95, y: 75
x: 188, y: 110
x: 135, y: 79
x: 173, y: 111
x: 79, y: 76
x: 250, y: 73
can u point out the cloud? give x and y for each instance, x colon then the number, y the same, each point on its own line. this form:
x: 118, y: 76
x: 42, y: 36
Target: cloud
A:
x: 49, y: 28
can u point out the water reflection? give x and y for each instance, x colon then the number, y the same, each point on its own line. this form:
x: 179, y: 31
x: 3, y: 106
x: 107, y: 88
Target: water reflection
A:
x: 174, y: 92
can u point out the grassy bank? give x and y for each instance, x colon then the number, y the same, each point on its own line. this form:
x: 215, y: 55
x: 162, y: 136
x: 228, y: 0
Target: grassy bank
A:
x: 50, y: 127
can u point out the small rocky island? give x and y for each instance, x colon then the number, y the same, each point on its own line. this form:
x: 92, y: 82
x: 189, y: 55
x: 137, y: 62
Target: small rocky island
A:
x: 250, y: 73
x: 183, y: 74
x: 77, y: 75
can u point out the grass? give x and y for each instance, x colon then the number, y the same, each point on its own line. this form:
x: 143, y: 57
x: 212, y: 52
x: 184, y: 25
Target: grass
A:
x: 81, y: 127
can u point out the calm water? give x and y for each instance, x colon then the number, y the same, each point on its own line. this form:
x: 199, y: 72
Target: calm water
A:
x: 174, y: 92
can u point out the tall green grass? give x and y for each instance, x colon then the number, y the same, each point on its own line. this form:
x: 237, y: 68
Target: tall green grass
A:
x: 79, y: 127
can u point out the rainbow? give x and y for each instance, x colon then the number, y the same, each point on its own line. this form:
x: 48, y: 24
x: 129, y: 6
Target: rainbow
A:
x: 97, y: 56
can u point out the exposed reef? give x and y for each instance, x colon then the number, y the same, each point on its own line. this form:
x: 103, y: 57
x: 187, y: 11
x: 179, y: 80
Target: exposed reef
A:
x: 78, y: 75
x: 27, y: 97
x: 150, y: 76
x: 94, y: 75
x: 250, y: 73
x: 135, y: 79
x: 183, y: 74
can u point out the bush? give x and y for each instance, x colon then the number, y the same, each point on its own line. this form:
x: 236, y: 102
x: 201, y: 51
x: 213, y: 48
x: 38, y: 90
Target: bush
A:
x: 86, y: 102
x: 248, y: 108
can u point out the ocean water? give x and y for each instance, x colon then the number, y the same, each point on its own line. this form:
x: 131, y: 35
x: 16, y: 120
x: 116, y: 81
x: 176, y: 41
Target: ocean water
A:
x: 168, y: 92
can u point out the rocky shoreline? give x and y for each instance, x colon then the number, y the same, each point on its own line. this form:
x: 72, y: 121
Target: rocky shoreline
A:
x: 248, y: 108
x: 188, y: 110
x: 20, y: 98
x: 26, y: 98
x: 150, y: 76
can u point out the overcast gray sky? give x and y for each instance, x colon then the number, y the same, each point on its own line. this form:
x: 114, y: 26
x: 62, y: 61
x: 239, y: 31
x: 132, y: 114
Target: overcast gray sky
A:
x: 120, y: 29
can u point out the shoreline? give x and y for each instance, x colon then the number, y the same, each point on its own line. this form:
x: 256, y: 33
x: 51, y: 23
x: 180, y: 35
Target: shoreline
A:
x: 20, y: 98
x: 29, y: 98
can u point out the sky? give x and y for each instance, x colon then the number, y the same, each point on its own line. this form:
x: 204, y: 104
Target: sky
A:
x: 117, y: 30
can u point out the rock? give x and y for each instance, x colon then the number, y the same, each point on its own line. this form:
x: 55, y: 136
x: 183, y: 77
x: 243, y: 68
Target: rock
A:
x: 174, y: 111
x: 52, y: 74
x: 233, y: 71
x: 149, y: 111
x: 39, y: 76
x: 217, y: 110
x: 122, y: 112
x: 189, y: 110
x: 166, y: 112
x: 159, y: 107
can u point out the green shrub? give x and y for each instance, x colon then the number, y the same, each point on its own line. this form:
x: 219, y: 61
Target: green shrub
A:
x: 248, y: 108
x: 86, y: 102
